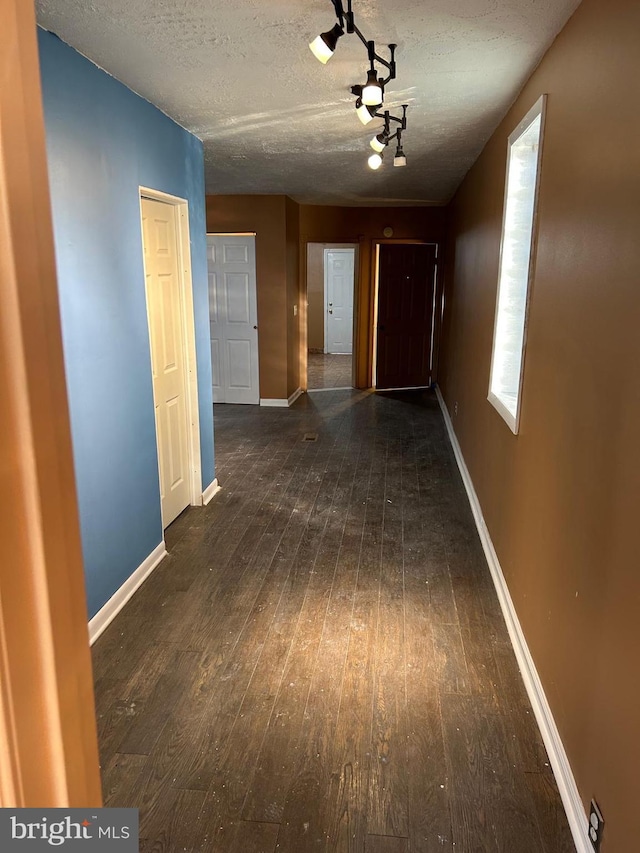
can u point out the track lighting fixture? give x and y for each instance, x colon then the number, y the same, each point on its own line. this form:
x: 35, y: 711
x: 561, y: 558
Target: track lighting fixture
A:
x: 370, y: 96
x: 382, y: 139
x: 399, y: 159
x: 372, y: 90
x: 379, y: 142
x: 364, y: 113
x: 324, y: 45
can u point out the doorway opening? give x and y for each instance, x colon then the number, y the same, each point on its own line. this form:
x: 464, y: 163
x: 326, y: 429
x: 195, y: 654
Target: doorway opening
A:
x: 169, y: 295
x: 233, y: 316
x: 404, y: 328
x: 331, y: 277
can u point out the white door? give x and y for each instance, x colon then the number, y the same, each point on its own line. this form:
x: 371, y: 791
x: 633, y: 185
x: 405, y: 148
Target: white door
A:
x: 166, y: 331
x: 338, y: 289
x: 234, y: 318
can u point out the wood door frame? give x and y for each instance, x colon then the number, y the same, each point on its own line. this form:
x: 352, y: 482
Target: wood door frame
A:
x: 181, y: 212
x: 353, y: 248
x: 48, y: 741
x: 433, y: 357
x: 255, y: 278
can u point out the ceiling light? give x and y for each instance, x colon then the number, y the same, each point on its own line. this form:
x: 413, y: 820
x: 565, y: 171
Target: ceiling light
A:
x: 372, y: 90
x: 364, y: 113
x: 369, y: 98
x: 399, y: 159
x: 324, y: 45
x: 379, y: 142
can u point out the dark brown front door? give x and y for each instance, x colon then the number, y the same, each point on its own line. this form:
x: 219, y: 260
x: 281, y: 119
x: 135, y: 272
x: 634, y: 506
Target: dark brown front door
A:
x: 405, y: 315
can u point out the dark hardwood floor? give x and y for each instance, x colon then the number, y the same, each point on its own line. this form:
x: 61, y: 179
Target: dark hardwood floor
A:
x: 320, y: 664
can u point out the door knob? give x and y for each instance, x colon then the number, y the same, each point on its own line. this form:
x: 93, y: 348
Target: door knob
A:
x: 256, y: 328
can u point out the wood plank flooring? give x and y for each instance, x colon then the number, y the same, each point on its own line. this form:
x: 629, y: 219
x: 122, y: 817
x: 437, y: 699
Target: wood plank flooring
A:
x: 320, y: 664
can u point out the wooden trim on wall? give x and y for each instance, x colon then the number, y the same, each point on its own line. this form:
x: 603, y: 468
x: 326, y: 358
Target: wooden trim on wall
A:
x: 303, y: 299
x: 364, y: 325
x: 48, y: 743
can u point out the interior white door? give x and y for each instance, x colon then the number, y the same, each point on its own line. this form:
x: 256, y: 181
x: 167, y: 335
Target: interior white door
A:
x: 166, y: 331
x: 338, y: 289
x: 233, y: 310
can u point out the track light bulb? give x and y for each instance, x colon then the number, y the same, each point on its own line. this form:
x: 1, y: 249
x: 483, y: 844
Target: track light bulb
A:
x: 364, y: 113
x: 375, y: 161
x: 379, y: 142
x: 324, y: 45
x: 399, y: 159
x: 372, y: 90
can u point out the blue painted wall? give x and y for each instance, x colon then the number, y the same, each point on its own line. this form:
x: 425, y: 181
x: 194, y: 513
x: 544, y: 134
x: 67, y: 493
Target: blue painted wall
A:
x: 103, y: 143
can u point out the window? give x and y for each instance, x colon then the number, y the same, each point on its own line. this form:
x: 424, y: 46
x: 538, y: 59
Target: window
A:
x: 516, y: 263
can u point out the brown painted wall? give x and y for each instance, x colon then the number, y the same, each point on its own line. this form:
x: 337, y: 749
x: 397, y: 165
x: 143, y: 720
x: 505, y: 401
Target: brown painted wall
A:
x: 561, y: 499
x: 266, y: 215
x: 315, y: 295
x: 282, y: 230
x: 363, y: 226
x: 323, y: 224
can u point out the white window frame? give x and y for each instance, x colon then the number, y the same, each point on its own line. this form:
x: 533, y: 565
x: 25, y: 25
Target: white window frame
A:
x: 511, y: 418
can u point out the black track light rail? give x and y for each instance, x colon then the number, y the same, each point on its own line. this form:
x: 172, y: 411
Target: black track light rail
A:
x: 347, y: 21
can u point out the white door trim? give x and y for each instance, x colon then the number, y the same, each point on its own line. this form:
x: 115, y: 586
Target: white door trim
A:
x: 325, y: 287
x: 189, y: 335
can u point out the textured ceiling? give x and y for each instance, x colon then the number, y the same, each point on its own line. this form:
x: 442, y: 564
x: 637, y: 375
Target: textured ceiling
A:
x: 240, y: 76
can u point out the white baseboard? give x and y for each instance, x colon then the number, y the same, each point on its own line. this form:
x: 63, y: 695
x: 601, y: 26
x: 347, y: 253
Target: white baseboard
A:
x: 281, y: 403
x: 294, y: 397
x: 110, y: 610
x: 211, y: 490
x: 558, y: 757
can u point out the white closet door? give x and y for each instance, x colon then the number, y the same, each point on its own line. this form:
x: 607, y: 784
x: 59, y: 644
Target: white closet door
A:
x: 234, y: 318
x: 166, y: 332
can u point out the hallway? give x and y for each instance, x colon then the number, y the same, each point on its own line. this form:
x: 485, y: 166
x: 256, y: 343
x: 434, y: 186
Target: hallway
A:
x: 326, y: 370
x: 321, y: 663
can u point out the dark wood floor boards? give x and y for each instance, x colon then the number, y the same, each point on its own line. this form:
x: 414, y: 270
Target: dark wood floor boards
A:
x: 385, y: 844
x: 353, y: 738
x: 491, y: 807
x: 310, y: 771
x: 387, y: 811
x: 321, y: 663
x: 310, y: 579
x: 429, y: 810
x: 271, y: 571
x: 329, y: 596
